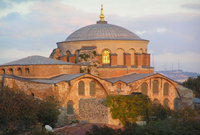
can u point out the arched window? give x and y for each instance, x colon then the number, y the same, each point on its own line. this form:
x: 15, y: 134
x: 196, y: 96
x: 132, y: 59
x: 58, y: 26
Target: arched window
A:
x: 166, y: 89
x: 132, y: 52
x: 106, y: 56
x: 19, y: 71
x: 10, y: 71
x: 176, y: 104
x: 92, y: 87
x: 70, y: 109
x: 68, y: 54
x: 27, y: 71
x: 81, y: 88
x: 144, y: 88
x: 155, y: 86
x: 120, y: 56
x: 141, y: 50
x: 166, y: 103
x: 155, y: 102
x: 2, y: 71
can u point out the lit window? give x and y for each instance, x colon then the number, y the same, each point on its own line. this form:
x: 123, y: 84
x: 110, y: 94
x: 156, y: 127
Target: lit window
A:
x: 106, y: 57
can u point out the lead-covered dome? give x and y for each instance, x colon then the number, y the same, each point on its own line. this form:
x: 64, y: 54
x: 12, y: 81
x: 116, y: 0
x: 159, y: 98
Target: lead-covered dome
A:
x: 102, y: 31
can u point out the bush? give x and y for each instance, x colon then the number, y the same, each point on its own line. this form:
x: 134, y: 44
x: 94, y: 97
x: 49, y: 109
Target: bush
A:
x: 20, y: 111
x: 128, y: 108
x: 159, y: 127
x: 160, y: 112
x: 105, y: 130
x: 47, y: 113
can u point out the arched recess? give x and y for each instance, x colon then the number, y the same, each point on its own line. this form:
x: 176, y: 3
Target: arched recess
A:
x: 70, y: 108
x: 166, y: 89
x: 166, y: 103
x: 92, y: 88
x: 68, y: 53
x: 176, y: 104
x: 27, y: 71
x: 10, y: 71
x: 2, y: 71
x: 155, y: 86
x: 144, y: 88
x: 156, y: 102
x: 81, y: 88
x: 145, y: 50
x: 106, y: 56
x: 120, y: 56
x: 132, y: 52
x: 141, y: 50
x: 19, y: 71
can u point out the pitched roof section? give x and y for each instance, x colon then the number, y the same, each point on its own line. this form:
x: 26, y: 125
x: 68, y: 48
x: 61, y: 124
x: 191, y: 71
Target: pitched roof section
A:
x: 129, y: 78
x: 36, y: 60
x: 53, y: 80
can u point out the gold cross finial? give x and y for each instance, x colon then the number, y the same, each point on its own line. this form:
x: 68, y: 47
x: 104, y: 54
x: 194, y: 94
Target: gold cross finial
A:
x: 102, y: 15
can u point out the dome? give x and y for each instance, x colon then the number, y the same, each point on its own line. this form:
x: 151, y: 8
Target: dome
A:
x: 102, y: 31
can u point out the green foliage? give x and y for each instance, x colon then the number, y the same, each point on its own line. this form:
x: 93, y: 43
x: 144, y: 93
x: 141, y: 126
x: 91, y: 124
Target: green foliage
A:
x: 84, y: 56
x: 160, y: 112
x: 95, y: 53
x: 128, y: 108
x: 20, y: 111
x: 82, y: 70
x: 194, y: 84
x: 164, y: 127
x: 105, y: 130
x: 48, y: 114
x: 43, y: 132
x: 186, y: 114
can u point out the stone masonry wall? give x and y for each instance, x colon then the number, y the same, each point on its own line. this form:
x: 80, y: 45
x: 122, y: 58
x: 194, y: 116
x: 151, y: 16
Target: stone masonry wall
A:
x: 93, y: 111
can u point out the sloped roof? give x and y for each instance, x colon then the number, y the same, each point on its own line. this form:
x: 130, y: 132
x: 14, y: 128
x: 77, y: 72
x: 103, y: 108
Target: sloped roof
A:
x: 36, y: 60
x: 129, y: 78
x: 53, y: 80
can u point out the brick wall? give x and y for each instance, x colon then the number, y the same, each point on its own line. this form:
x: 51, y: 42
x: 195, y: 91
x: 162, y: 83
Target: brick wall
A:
x: 92, y: 110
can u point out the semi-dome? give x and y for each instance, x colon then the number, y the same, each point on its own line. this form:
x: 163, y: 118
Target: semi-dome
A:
x: 102, y: 31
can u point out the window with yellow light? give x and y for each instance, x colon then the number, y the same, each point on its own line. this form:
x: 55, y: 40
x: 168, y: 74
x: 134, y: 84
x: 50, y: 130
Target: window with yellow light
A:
x: 106, y: 57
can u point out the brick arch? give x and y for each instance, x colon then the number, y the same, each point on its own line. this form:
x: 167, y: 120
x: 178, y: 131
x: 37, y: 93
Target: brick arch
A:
x: 120, y: 56
x: 2, y: 71
x: 141, y: 50
x: 167, y: 80
x: 95, y: 79
x: 132, y: 52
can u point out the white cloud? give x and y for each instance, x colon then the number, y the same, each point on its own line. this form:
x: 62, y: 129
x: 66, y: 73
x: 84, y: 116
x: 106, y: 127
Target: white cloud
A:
x: 22, y: 8
x: 160, y: 30
x: 141, y: 32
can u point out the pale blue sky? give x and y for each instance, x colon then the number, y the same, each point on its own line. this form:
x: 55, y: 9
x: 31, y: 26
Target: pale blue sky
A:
x: 33, y: 27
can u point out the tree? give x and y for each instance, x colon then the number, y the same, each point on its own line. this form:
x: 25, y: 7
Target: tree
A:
x: 19, y: 111
x: 128, y: 108
x: 194, y: 84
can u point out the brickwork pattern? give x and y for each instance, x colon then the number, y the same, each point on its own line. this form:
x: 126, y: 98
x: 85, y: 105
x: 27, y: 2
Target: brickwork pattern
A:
x: 93, y: 111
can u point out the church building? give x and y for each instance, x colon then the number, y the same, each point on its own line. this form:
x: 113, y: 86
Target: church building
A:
x: 93, y: 62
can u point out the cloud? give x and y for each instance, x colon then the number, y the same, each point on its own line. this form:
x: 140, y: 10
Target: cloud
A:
x: 195, y: 6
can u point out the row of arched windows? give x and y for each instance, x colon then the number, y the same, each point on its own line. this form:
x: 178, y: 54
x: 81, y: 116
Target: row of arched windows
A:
x: 18, y: 71
x: 81, y: 88
x: 166, y: 103
x: 144, y: 88
x: 120, y: 55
